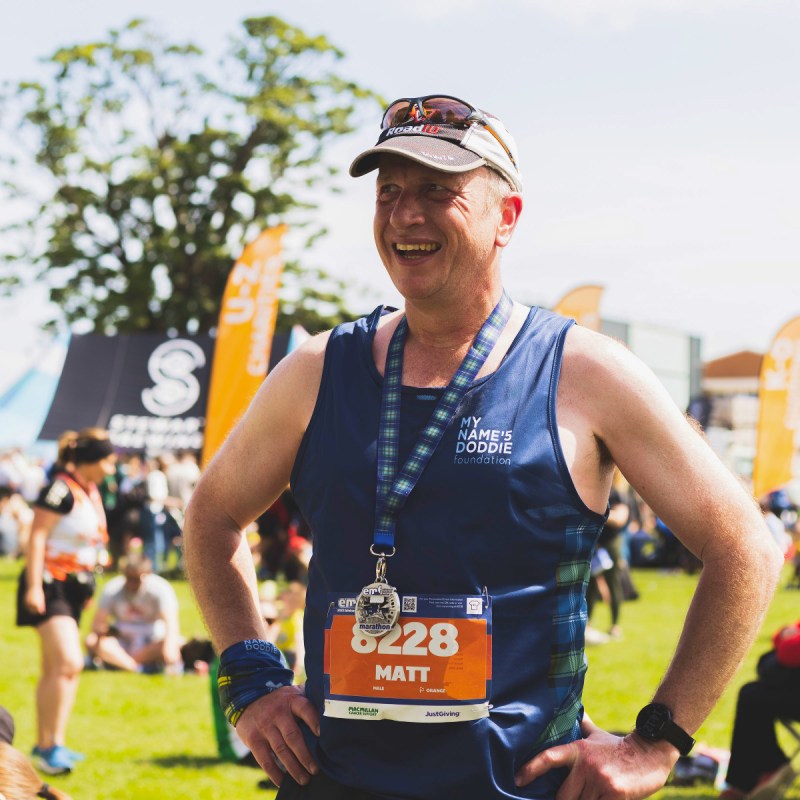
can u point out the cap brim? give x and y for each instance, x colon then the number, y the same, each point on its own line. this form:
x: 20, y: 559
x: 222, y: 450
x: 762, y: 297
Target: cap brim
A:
x: 436, y: 153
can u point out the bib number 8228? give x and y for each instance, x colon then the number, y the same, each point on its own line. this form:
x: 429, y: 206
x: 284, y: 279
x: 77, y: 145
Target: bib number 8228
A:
x: 442, y: 640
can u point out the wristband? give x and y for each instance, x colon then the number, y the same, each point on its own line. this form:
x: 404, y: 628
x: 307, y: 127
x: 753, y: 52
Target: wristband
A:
x: 249, y: 670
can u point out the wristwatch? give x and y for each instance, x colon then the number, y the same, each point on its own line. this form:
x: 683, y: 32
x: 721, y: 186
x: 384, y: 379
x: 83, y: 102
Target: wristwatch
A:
x: 654, y: 723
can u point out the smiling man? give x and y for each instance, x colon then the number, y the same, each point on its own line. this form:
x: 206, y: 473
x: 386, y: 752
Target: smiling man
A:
x: 454, y: 461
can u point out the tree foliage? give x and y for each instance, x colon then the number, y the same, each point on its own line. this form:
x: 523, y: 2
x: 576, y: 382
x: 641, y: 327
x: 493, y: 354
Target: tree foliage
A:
x: 154, y: 168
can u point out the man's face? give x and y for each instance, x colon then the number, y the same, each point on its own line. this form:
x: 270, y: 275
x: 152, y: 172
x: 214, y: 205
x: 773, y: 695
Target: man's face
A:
x: 133, y: 580
x: 435, y: 231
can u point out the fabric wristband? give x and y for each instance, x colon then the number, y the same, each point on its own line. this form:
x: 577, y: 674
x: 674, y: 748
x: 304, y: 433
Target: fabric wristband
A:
x: 249, y: 670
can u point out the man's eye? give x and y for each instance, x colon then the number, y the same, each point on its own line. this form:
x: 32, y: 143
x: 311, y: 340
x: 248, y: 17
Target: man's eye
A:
x: 389, y: 190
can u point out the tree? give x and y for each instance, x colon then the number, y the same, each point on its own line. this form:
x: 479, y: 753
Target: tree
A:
x: 152, y: 174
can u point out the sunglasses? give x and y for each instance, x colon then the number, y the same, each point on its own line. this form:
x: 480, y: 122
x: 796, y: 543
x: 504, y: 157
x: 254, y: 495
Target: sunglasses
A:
x: 440, y: 109
x: 270, y: 620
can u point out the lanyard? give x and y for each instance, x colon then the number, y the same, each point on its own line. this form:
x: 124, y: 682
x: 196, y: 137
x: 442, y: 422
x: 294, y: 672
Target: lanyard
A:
x: 393, y: 487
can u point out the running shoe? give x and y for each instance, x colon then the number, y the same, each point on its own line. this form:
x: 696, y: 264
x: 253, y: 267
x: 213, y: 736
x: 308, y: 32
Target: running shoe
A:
x: 53, y: 760
x: 74, y: 755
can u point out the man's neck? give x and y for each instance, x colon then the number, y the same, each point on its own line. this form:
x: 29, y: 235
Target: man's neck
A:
x: 439, y: 337
x: 448, y: 327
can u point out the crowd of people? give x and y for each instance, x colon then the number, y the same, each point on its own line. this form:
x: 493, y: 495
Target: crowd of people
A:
x: 96, y: 512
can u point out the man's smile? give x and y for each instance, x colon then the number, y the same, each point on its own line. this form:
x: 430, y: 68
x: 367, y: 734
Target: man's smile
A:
x: 417, y: 250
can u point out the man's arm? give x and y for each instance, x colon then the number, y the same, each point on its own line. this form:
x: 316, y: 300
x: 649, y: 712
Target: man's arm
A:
x: 100, y: 623
x: 245, y: 477
x: 608, y: 397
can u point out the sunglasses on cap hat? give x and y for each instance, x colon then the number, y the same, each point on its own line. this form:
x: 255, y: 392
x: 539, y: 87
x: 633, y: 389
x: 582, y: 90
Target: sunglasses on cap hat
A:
x: 441, y: 109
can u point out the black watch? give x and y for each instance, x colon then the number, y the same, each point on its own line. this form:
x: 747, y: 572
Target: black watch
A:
x: 654, y: 723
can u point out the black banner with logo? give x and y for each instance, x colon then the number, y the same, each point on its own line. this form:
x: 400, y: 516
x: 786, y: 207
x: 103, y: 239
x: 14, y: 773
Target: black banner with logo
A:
x: 149, y: 390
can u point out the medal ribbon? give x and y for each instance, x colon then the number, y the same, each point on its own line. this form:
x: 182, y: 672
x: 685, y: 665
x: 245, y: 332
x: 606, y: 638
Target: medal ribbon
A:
x: 394, y: 488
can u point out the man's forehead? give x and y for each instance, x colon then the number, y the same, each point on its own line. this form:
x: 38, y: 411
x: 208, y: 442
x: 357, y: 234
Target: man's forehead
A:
x: 390, y: 166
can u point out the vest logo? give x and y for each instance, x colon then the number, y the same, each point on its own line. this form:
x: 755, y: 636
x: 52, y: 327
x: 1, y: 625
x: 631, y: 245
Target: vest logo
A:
x: 479, y: 444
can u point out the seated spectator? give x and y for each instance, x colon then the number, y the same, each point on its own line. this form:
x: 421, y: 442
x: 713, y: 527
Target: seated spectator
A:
x: 757, y: 760
x: 136, y: 625
x: 6, y: 726
x: 18, y: 779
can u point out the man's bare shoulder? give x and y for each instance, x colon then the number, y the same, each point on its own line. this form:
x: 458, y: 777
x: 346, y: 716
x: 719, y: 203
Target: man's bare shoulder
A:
x: 610, y: 387
x: 303, y: 365
x: 596, y: 366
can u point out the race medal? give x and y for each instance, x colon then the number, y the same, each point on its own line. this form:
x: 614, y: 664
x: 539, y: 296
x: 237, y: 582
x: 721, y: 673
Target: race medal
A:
x: 377, y: 609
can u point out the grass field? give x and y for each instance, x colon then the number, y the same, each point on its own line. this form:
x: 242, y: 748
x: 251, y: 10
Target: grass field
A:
x: 151, y: 737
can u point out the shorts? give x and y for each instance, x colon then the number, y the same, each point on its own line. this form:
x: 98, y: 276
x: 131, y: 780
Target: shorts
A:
x: 65, y: 598
x: 321, y: 787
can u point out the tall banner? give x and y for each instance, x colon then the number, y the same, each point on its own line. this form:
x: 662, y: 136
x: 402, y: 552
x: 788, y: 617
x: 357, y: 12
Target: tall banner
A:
x: 583, y: 304
x: 779, y: 411
x: 244, y: 336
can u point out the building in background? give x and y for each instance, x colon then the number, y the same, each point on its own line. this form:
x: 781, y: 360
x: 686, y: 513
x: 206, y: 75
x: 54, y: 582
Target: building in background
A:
x: 730, y: 386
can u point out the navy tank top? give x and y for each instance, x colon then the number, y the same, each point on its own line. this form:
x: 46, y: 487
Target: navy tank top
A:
x: 507, y: 519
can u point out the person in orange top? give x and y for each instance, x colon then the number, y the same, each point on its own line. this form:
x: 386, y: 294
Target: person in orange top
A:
x: 67, y: 543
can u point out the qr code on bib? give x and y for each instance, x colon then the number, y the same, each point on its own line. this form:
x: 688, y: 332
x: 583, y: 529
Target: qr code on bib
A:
x: 410, y: 605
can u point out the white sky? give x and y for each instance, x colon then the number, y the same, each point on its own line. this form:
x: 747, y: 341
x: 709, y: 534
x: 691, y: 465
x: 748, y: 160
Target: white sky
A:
x: 659, y: 139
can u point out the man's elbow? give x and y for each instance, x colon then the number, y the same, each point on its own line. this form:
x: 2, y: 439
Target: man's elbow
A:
x: 764, y: 562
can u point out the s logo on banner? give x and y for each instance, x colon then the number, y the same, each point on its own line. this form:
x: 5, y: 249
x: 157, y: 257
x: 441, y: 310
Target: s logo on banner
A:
x: 171, y: 366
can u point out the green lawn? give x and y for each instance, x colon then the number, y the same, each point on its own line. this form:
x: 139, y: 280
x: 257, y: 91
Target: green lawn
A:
x: 151, y: 737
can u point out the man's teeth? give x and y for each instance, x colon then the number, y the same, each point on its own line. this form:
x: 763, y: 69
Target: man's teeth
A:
x: 407, y: 248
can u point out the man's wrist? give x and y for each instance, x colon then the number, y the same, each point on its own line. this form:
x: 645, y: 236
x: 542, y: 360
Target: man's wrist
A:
x: 655, y: 724
x: 248, y: 670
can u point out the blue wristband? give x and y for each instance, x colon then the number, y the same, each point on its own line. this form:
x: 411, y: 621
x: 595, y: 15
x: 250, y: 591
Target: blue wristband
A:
x: 249, y: 670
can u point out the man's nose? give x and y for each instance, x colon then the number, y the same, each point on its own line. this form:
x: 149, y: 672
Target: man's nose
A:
x: 407, y: 211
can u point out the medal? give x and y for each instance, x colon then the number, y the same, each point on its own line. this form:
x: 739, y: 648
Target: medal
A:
x: 378, y: 605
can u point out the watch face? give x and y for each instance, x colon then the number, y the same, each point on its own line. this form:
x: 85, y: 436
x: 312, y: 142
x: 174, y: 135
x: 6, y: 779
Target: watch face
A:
x: 651, y: 720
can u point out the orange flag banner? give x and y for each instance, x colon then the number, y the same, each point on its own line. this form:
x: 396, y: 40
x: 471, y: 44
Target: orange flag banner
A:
x: 244, y: 336
x: 583, y: 304
x: 778, y: 411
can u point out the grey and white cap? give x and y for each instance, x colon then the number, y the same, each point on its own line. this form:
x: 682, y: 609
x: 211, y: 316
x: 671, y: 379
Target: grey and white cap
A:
x: 449, y: 148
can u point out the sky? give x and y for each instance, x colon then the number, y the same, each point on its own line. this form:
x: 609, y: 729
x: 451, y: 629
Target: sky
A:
x: 658, y: 141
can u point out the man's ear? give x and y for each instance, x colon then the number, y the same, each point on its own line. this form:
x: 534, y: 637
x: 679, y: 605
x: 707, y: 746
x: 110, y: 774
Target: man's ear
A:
x: 510, y: 211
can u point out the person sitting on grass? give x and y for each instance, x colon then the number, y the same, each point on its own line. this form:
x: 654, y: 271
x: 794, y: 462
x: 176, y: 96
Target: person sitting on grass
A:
x: 136, y: 625
x: 18, y: 779
x: 758, y: 765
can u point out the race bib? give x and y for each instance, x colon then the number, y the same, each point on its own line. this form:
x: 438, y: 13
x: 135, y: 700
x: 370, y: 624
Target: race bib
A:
x: 435, y: 665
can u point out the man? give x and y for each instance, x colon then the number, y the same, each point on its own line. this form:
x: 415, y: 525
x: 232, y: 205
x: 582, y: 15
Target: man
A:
x: 481, y: 503
x: 136, y: 625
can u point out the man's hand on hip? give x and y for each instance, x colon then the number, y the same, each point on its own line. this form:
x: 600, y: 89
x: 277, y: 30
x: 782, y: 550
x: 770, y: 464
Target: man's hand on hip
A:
x: 268, y: 726
x: 604, y: 765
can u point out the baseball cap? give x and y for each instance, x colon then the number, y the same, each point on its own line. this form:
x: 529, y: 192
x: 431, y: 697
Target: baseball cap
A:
x: 480, y: 139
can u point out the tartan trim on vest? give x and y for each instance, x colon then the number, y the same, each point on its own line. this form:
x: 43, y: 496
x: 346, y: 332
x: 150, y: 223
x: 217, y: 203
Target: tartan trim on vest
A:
x: 567, y: 658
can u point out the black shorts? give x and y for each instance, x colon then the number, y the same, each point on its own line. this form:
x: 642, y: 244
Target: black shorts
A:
x: 61, y: 598
x: 321, y: 787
